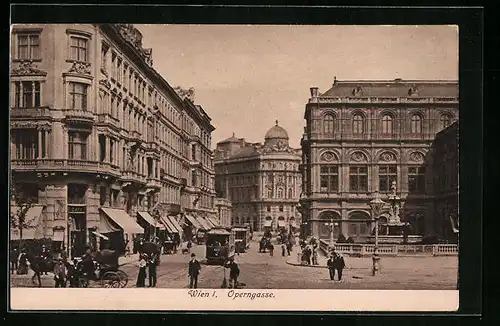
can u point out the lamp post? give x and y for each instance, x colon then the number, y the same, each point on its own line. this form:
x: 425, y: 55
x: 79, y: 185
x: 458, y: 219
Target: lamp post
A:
x: 376, y: 205
x: 332, y: 226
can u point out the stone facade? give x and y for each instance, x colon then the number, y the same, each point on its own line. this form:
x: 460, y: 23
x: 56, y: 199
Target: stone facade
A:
x: 262, y: 181
x: 88, y: 109
x: 362, y: 135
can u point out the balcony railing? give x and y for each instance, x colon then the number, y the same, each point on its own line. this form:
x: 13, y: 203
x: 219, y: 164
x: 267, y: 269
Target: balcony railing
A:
x: 38, y: 112
x: 384, y: 100
x: 40, y: 165
x: 108, y: 119
x: 132, y: 176
x: 79, y: 116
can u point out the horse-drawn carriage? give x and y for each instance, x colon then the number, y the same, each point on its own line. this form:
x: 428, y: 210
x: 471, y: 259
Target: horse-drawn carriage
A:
x: 106, y: 270
x: 264, y: 244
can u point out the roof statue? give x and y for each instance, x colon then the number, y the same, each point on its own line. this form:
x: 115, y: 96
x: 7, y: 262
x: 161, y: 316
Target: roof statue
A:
x: 185, y: 93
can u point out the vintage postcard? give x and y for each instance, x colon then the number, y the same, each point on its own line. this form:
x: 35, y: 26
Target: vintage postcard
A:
x: 243, y: 167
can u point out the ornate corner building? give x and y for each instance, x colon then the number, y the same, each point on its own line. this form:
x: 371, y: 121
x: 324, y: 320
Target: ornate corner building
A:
x: 361, y: 136
x: 262, y: 182
x: 94, y: 126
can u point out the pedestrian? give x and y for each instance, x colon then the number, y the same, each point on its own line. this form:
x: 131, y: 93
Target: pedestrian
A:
x: 339, y: 264
x: 330, y: 263
x: 234, y: 272
x: 45, y: 255
x: 271, y: 249
x: 315, y: 256
x: 153, y: 263
x: 141, y: 277
x: 283, y: 250
x: 193, y: 272
x: 73, y: 273
x: 60, y: 274
x: 289, y: 248
x: 22, y: 263
x: 189, y: 245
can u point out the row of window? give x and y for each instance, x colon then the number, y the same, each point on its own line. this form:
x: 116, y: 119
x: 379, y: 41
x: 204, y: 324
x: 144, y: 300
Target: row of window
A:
x: 281, y: 208
x: 28, y: 47
x: 358, y: 178
x: 358, y: 126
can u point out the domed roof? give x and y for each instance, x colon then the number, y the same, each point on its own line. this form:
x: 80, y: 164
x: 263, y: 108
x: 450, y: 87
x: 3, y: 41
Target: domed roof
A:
x: 276, y: 132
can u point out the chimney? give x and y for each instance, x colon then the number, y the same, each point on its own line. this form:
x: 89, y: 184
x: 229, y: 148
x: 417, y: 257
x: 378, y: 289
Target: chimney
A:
x: 334, y: 80
x: 314, y: 91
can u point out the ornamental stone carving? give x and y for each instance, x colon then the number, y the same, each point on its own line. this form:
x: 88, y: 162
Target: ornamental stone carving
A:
x: 105, y: 83
x: 413, y: 91
x: 82, y: 68
x: 358, y: 157
x: 185, y: 93
x: 27, y: 68
x: 387, y: 157
x: 416, y: 157
x: 328, y: 157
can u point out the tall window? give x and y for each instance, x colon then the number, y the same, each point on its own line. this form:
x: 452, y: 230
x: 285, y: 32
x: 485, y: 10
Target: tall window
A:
x: 111, y: 150
x: 280, y: 192
x: 416, y: 124
x: 358, y: 179
x: 416, y: 179
x: 78, y: 48
x: 77, y: 145
x: 386, y: 174
x: 102, y: 148
x: 357, y: 124
x: 26, y: 142
x: 387, y: 127
x: 27, y: 94
x: 290, y: 193
x: 445, y: 120
x: 78, y: 96
x: 28, y: 46
x: 119, y: 71
x: 269, y: 193
x: 281, y: 208
x: 329, y: 178
x: 104, y: 56
x: 328, y: 124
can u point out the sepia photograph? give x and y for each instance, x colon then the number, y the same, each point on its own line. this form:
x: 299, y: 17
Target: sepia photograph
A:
x: 241, y: 158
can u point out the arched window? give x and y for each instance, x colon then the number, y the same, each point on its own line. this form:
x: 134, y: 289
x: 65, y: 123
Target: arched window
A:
x: 445, y: 120
x: 290, y: 193
x: 328, y: 124
x: 387, y: 127
x: 280, y: 192
x: 416, y: 124
x: 357, y: 124
x: 269, y: 193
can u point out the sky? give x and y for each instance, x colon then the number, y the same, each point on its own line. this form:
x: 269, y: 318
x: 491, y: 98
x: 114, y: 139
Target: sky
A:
x: 247, y: 76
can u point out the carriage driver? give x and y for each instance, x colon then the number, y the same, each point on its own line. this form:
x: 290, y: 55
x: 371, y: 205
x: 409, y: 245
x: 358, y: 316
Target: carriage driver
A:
x: 88, y: 263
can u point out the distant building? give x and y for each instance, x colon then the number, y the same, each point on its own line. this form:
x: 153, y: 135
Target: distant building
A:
x: 223, y: 208
x: 261, y: 181
x: 99, y: 139
x: 362, y: 135
x: 445, y: 166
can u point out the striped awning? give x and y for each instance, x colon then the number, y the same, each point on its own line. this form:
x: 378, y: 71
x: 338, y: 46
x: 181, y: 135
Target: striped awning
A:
x: 214, y: 221
x: 34, y: 225
x: 176, y: 224
x: 168, y: 225
x: 210, y: 223
x: 193, y: 221
x: 204, y: 223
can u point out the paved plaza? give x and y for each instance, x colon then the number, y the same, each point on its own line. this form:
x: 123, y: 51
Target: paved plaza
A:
x: 260, y: 270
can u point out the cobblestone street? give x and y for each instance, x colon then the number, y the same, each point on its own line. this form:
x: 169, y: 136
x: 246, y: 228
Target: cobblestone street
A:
x: 260, y: 270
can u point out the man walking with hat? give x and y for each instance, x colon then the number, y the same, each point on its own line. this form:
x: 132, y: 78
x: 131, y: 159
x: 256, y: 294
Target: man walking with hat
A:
x: 193, y: 272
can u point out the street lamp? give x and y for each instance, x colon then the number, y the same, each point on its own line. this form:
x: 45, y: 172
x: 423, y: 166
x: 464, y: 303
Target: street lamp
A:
x: 332, y: 226
x: 376, y: 205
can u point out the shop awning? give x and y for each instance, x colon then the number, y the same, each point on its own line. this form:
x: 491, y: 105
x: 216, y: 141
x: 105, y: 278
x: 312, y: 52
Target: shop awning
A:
x: 28, y: 234
x: 160, y: 225
x: 204, y: 223
x: 168, y: 225
x: 268, y: 223
x: 33, y: 224
x: 175, y: 224
x: 148, y: 218
x: 122, y: 219
x: 97, y: 234
x: 281, y: 223
x: 209, y: 222
x: 58, y: 235
x: 214, y: 221
x: 193, y: 221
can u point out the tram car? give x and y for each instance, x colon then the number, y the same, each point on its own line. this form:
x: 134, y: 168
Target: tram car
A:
x: 242, y: 239
x: 220, y: 245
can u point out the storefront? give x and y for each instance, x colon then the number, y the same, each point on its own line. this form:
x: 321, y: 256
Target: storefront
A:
x: 119, y: 227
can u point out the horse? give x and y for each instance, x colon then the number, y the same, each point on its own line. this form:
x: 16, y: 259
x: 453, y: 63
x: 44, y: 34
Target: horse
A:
x: 40, y: 265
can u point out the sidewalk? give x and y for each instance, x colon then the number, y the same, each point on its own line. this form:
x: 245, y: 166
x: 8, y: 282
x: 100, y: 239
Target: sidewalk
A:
x: 122, y: 260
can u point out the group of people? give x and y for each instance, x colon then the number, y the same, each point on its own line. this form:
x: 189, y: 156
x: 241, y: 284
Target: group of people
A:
x: 149, y: 262
x: 309, y: 253
x: 194, y: 268
x: 335, y: 263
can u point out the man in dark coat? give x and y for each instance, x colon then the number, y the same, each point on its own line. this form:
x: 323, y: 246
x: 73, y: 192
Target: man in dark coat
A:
x: 153, y: 262
x: 234, y: 272
x: 339, y: 263
x: 193, y: 272
x: 330, y: 263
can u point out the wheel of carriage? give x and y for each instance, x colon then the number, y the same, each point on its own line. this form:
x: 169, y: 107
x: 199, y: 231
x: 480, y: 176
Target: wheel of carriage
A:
x: 123, y: 278
x: 110, y: 280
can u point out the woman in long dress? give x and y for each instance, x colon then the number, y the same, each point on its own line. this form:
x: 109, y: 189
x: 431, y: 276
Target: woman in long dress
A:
x: 141, y: 278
